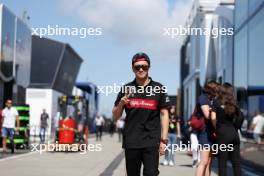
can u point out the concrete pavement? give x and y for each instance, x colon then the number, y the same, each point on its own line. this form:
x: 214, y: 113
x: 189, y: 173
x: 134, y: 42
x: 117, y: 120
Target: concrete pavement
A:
x: 107, y: 162
x: 182, y: 167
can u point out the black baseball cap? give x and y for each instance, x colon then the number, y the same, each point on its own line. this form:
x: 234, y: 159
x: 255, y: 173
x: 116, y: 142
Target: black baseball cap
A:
x: 140, y: 57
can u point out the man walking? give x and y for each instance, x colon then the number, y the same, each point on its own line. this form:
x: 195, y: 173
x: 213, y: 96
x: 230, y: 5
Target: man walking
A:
x: 120, y: 126
x: 174, y: 133
x: 99, y: 122
x: 43, y: 125
x: 10, y: 117
x: 257, y: 127
x: 145, y: 132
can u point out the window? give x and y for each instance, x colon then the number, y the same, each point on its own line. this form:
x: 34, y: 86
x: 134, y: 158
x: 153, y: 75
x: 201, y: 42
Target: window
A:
x: 256, y: 52
x: 255, y: 103
x: 7, y: 43
x: 254, y: 5
x: 241, y: 12
x: 240, y: 60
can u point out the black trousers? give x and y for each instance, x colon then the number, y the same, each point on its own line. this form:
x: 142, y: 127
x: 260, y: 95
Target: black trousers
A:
x: 229, y: 136
x: 99, y: 132
x: 149, y: 157
x: 234, y: 157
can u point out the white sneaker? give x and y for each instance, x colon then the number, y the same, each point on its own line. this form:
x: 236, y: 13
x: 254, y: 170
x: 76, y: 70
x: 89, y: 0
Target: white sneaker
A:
x: 171, y: 163
x: 165, y: 163
x: 195, y: 163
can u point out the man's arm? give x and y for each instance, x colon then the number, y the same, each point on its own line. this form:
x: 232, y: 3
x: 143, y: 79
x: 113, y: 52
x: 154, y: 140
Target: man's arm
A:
x: 164, y: 123
x: 164, y: 129
x: 17, y: 121
x: 118, y: 109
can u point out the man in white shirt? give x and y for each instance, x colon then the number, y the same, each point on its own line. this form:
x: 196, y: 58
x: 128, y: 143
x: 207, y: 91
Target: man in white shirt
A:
x: 120, y: 125
x: 99, y: 122
x: 257, y: 127
x: 10, y: 117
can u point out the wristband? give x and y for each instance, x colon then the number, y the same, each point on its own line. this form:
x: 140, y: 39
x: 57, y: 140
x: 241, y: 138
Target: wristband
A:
x: 164, y: 141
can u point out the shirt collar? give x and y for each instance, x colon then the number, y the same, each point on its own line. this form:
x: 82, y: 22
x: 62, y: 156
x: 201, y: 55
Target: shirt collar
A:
x: 135, y: 82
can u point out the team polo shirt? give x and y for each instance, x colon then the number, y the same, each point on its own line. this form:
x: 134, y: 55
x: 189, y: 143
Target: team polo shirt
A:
x: 142, y: 123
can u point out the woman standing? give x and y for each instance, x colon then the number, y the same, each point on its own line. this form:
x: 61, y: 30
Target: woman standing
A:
x: 205, y: 136
x: 229, y: 121
x: 174, y: 128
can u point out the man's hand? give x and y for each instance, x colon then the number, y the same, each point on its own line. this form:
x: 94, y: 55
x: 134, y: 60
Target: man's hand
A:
x: 125, y: 99
x: 118, y: 110
x: 162, y: 148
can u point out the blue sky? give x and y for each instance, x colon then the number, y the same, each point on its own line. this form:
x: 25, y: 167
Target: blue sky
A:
x: 127, y: 28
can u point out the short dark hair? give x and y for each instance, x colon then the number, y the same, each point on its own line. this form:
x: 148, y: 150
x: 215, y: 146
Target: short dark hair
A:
x: 140, y: 56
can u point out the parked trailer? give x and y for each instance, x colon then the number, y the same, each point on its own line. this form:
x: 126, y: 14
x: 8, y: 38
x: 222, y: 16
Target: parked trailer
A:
x: 76, y: 114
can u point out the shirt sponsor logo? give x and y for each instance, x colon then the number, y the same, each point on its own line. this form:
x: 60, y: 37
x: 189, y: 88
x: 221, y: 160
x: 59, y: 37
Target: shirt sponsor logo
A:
x: 142, y: 103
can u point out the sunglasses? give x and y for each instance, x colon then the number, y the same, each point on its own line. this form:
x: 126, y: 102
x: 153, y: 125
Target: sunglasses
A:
x: 144, y: 67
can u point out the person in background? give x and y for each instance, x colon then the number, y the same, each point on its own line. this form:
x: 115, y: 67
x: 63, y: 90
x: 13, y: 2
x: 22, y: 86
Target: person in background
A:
x: 174, y: 128
x: 194, y: 146
x: 120, y: 126
x: 257, y: 127
x: 43, y: 125
x: 205, y: 137
x: 229, y: 122
x: 111, y: 128
x: 9, y: 119
x: 99, y: 122
x: 80, y: 126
